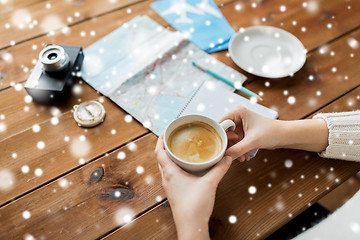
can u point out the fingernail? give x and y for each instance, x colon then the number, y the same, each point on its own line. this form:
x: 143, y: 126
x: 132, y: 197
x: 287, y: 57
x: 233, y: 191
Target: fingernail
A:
x: 228, y: 160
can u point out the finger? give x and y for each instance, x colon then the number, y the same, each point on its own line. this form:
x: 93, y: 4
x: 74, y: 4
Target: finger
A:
x: 234, y: 114
x: 160, y: 142
x: 161, y: 155
x: 232, y: 136
x: 161, y: 171
x: 247, y: 156
x: 218, y: 171
x: 240, y: 148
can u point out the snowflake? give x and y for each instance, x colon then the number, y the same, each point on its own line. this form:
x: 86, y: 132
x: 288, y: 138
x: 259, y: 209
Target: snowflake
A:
x: 232, y: 219
x: 200, y: 107
x: 28, y: 237
x: 63, y: 183
x: 252, y: 189
x: 140, y: 170
x: 121, y: 155
x: 54, y: 120
x: 123, y: 215
x: 26, y: 214
x: 25, y: 169
x: 288, y: 163
x: 355, y: 227
x: 291, y: 100
x: 7, y: 179
x: 40, y: 145
x: 353, y: 43
x: 38, y: 172
x: 80, y: 147
x: 128, y: 118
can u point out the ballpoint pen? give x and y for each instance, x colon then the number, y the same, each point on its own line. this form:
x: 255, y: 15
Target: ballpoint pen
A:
x: 241, y: 88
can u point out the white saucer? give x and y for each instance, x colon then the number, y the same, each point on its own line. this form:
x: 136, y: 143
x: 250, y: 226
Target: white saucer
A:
x: 267, y: 51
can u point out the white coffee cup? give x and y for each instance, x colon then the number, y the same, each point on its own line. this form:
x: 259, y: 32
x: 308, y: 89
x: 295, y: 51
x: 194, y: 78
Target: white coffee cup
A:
x: 220, y: 128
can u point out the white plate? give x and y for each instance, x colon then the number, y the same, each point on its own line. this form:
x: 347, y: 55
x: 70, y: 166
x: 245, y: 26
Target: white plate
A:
x: 267, y: 51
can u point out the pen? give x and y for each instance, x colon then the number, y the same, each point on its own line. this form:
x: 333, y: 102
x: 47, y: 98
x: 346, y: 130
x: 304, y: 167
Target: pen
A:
x: 242, y: 89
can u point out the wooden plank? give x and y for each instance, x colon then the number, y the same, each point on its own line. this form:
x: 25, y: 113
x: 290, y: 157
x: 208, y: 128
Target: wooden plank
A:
x: 12, y: 5
x: 59, y: 146
x: 262, y: 213
x: 314, y: 18
x: 340, y: 195
x: 76, y: 207
x: 20, y: 113
x: 324, y: 77
x: 20, y: 59
x: 19, y: 117
x: 57, y: 16
x: 76, y: 192
x: 141, y: 227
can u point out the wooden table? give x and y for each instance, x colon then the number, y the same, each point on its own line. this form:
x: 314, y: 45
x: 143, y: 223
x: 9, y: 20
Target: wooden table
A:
x: 48, y: 192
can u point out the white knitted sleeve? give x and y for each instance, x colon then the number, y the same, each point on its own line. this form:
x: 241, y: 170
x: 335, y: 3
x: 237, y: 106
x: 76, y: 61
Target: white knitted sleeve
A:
x: 344, y: 135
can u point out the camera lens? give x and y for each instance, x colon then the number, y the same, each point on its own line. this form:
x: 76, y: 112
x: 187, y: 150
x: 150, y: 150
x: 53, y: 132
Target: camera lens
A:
x: 54, y: 58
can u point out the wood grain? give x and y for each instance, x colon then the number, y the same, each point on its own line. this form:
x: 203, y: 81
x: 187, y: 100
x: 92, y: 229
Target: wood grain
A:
x: 66, y: 146
x: 20, y: 59
x: 21, y: 113
x: 314, y: 19
x: 52, y: 19
x: 70, y: 200
x: 20, y: 116
x: 79, y: 206
x: 149, y: 226
x: 12, y: 5
x: 19, y: 68
x: 324, y: 77
x: 281, y: 192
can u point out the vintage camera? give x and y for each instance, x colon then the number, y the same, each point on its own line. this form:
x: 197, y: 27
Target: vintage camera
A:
x: 54, y: 74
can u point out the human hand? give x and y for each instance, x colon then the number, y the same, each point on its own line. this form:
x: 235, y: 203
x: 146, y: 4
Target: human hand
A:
x: 252, y: 131
x: 191, y: 197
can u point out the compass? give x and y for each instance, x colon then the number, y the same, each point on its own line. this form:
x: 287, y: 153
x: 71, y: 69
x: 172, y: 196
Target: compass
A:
x: 89, y: 114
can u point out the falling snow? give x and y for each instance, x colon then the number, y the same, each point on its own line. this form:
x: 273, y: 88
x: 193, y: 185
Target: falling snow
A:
x: 291, y: 100
x: 140, y: 170
x: 38, y: 172
x: 40, y: 145
x: 63, y: 183
x: 288, y: 163
x: 7, y: 179
x: 123, y: 215
x: 252, y: 190
x: 25, y: 169
x: 232, y: 219
x: 121, y: 155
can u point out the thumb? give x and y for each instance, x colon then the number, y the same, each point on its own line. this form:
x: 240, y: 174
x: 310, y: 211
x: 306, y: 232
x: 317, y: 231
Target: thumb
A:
x: 239, y: 148
x: 218, y: 171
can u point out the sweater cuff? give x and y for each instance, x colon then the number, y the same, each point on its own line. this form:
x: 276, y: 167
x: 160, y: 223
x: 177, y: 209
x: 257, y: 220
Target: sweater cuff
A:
x: 344, y: 135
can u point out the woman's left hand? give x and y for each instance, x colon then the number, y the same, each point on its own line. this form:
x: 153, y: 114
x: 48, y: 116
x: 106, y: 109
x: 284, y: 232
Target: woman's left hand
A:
x: 191, y: 197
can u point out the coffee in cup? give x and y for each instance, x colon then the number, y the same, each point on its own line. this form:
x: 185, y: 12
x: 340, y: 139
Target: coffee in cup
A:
x: 195, y: 142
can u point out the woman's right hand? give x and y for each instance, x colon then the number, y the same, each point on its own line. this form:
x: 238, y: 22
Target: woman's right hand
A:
x: 252, y: 131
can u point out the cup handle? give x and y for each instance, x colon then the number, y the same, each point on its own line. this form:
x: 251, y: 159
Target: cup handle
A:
x: 228, y: 124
